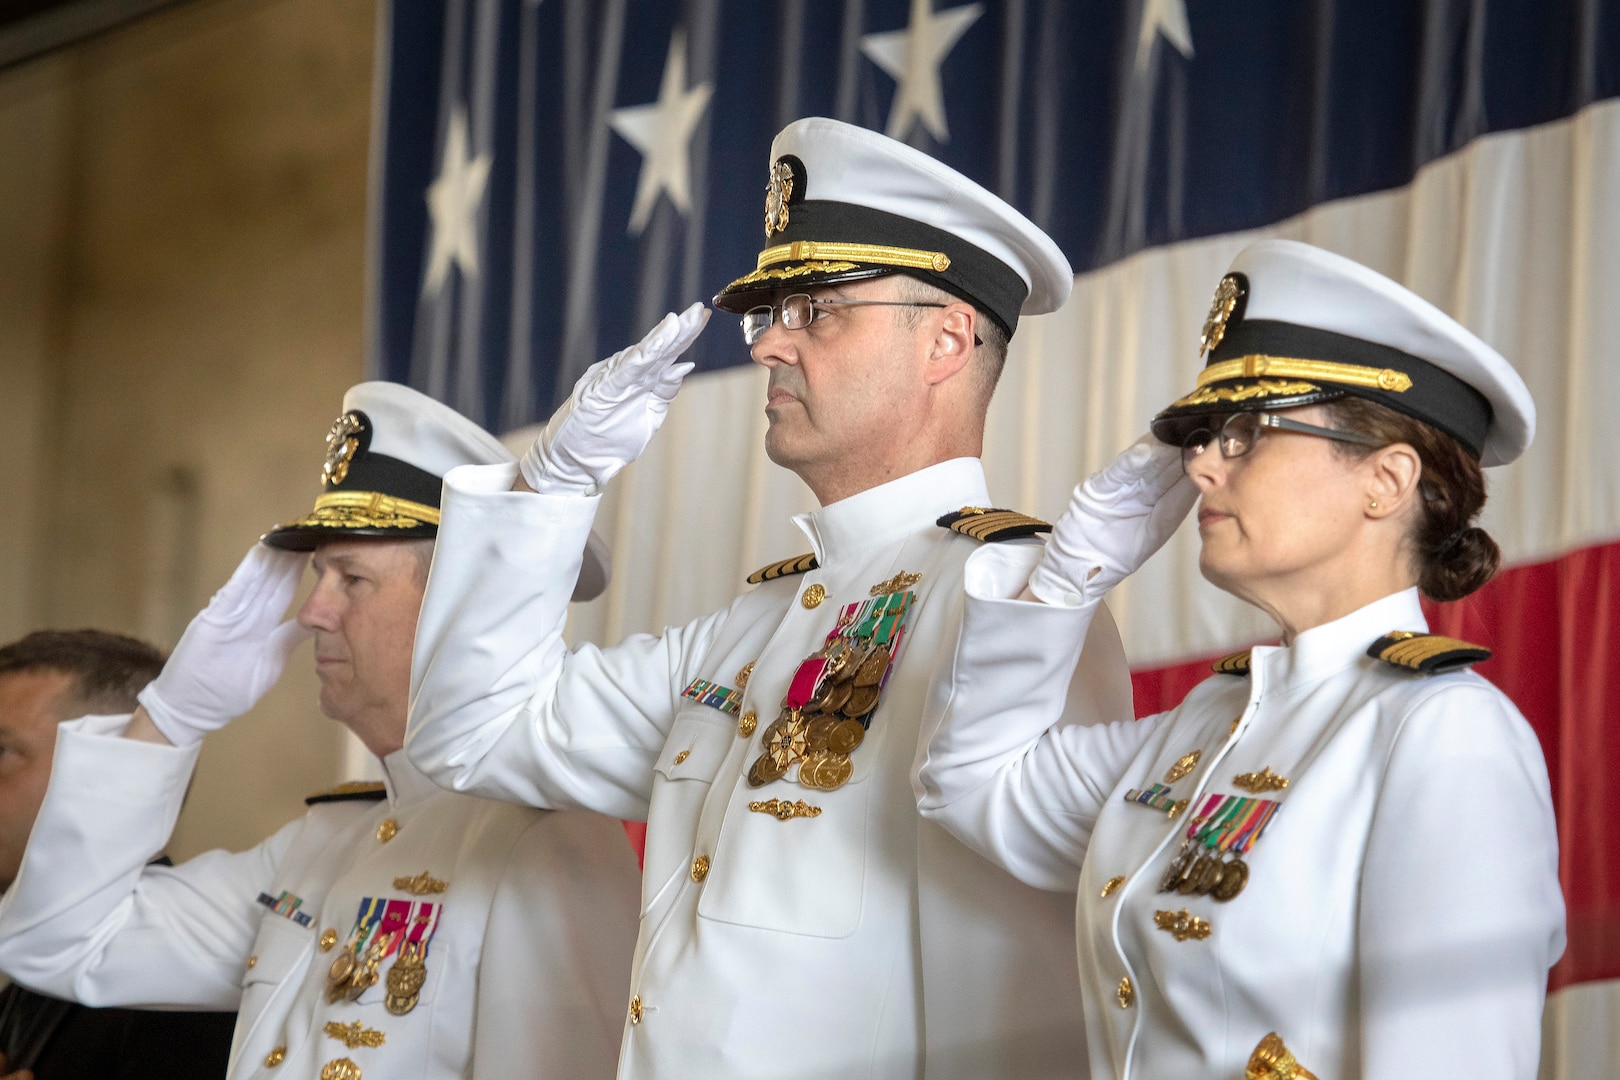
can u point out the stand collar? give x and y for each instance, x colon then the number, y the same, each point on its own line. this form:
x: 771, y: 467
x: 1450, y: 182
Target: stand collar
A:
x: 405, y: 782
x: 1331, y: 647
x: 898, y: 508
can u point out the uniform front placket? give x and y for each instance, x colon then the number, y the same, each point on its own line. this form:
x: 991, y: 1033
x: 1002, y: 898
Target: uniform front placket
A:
x: 1144, y: 869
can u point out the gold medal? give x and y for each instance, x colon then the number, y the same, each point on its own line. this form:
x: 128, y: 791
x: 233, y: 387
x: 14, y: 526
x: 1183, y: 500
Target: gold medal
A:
x: 842, y: 656
x: 834, y: 772
x: 337, y: 976
x: 872, y: 668
x: 785, y: 741
x: 1208, y: 877
x: 405, y: 979
x: 845, y: 736
x: 861, y: 701
x: 764, y: 771
x: 818, y: 731
x: 342, y: 967
x: 1234, y: 876
x: 809, y: 768
x: 837, y: 696
x: 1189, y: 881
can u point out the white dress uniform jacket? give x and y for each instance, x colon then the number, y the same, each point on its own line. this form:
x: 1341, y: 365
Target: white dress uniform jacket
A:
x: 862, y: 942
x: 525, y: 969
x: 1403, y: 904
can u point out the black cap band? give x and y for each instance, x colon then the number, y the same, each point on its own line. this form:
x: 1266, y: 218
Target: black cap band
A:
x: 972, y: 273
x: 1272, y: 359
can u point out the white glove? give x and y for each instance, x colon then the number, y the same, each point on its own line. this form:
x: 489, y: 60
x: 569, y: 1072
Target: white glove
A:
x: 233, y: 651
x: 614, y: 411
x: 1115, y: 521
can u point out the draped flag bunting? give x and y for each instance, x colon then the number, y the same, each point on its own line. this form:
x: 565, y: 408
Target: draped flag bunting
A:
x: 550, y: 176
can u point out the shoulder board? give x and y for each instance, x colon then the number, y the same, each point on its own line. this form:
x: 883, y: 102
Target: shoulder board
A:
x: 799, y: 564
x: 1236, y: 664
x: 1426, y: 654
x: 991, y: 525
x: 353, y: 791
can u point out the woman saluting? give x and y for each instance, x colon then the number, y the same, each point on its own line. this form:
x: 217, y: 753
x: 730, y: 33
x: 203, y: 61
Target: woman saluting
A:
x: 1337, y: 856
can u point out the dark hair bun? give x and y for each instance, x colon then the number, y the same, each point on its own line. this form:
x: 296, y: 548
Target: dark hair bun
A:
x: 1467, y: 560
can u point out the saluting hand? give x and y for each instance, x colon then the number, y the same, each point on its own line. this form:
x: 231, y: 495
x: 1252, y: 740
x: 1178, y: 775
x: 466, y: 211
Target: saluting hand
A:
x: 614, y: 411
x: 233, y: 651
x: 1118, y: 518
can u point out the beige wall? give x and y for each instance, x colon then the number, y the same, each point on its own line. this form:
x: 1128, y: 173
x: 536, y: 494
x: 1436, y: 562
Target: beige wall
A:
x: 182, y: 221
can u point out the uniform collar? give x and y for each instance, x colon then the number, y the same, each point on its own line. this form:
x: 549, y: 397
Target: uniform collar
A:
x: 406, y: 783
x: 1331, y: 647
x: 889, y: 511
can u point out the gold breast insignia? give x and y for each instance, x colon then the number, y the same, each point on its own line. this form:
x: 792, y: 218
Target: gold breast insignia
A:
x: 1257, y: 782
x: 423, y: 884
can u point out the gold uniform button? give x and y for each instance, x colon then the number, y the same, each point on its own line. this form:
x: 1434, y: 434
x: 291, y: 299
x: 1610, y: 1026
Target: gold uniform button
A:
x: 253, y: 962
x: 387, y: 830
x: 635, y: 1009
x: 1112, y: 884
x: 340, y: 1069
x: 328, y: 939
x: 744, y: 675
x: 275, y: 1057
x: 749, y: 721
x: 1126, y: 993
x: 813, y: 596
x: 700, y: 868
x: 682, y: 756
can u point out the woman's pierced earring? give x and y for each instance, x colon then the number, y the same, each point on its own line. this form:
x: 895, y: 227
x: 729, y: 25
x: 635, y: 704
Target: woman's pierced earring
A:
x: 1373, y: 505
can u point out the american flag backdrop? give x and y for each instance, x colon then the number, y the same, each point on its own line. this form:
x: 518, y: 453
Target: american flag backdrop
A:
x: 551, y: 176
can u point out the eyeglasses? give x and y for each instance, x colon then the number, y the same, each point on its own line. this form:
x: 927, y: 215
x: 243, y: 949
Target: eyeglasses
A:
x: 1240, y: 431
x: 799, y: 311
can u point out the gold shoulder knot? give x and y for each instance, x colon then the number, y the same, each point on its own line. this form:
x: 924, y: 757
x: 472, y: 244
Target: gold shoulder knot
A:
x: 1426, y: 654
x: 1235, y: 664
x: 351, y: 791
x: 992, y: 526
x: 799, y: 564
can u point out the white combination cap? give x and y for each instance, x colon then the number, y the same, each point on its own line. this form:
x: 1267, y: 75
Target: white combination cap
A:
x: 843, y: 203
x: 386, y: 457
x: 1295, y: 325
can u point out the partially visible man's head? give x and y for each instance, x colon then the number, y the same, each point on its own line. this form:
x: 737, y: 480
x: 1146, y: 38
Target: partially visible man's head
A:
x: 46, y: 678
x: 363, y: 611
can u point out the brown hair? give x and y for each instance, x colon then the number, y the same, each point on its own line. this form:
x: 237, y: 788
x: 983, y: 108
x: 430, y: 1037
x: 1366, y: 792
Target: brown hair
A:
x: 108, y: 670
x: 1453, y: 556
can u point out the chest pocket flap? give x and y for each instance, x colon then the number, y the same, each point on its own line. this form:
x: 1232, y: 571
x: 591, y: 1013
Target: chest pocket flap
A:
x: 697, y: 746
x: 280, y: 948
x: 698, y: 742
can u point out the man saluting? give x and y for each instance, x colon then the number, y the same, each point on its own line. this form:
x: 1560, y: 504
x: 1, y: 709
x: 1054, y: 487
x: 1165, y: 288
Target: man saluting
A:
x: 798, y: 918
x: 395, y: 930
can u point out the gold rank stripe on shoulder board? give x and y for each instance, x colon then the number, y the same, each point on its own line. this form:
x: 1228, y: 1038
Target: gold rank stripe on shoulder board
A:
x: 991, y: 525
x: 799, y: 564
x: 351, y: 791
x: 1235, y: 664
x: 1426, y: 654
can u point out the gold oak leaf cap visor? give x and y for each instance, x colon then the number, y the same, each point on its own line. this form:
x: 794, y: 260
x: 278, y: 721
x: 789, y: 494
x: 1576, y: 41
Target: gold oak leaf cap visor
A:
x: 843, y: 203
x: 1294, y: 325
x: 386, y: 457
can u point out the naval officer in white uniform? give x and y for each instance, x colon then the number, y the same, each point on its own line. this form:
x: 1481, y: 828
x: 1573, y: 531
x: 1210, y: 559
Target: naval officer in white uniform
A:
x: 1337, y: 856
x: 396, y: 931
x: 798, y: 918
